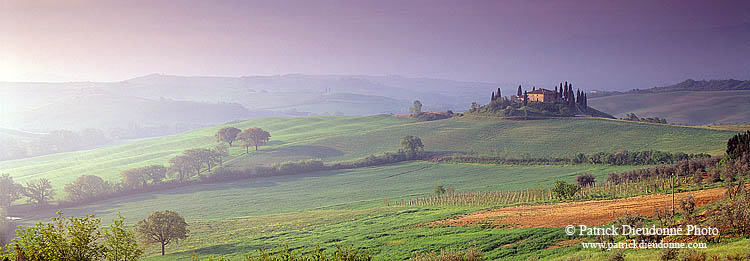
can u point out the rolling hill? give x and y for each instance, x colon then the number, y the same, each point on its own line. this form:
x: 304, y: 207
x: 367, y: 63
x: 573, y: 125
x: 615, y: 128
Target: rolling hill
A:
x: 689, y: 102
x: 108, y: 112
x: 685, y: 107
x: 154, y: 100
x: 340, y: 138
x: 334, y: 208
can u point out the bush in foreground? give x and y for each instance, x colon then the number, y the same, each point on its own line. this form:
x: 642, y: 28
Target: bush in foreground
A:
x: 74, y: 239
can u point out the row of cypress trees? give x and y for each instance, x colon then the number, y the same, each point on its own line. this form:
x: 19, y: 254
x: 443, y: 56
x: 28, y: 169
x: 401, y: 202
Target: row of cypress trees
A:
x: 563, y: 93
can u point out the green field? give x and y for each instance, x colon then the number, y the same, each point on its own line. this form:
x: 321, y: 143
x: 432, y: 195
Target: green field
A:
x: 333, y: 208
x: 326, y: 207
x: 342, y: 189
x: 338, y: 138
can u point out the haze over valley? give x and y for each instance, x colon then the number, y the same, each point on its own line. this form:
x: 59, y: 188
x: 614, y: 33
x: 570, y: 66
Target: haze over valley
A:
x: 374, y: 130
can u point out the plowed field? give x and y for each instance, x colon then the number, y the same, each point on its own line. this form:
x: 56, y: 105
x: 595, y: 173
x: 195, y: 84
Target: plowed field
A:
x: 590, y: 213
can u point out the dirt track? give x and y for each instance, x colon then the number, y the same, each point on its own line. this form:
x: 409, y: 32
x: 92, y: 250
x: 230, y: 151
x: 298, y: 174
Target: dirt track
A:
x: 590, y: 213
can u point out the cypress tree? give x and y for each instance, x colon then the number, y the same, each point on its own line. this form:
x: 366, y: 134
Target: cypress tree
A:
x: 519, y: 94
x: 525, y: 98
x: 493, y: 97
x: 571, y: 97
x: 534, y: 89
x: 497, y: 94
x: 585, y: 100
x: 555, y: 92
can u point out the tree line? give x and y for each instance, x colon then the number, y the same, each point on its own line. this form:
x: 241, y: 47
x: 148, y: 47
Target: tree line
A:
x: 622, y: 157
x: 184, y: 169
x: 86, y: 188
x: 632, y: 117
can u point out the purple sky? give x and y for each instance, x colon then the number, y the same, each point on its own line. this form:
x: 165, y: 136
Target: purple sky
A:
x: 599, y: 44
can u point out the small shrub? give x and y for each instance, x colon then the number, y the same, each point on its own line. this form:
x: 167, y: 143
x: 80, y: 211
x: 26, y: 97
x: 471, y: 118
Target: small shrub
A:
x: 618, y: 255
x: 687, y: 205
x: 586, y: 180
x: 668, y: 254
x: 564, y: 190
x: 439, y: 190
x: 693, y: 255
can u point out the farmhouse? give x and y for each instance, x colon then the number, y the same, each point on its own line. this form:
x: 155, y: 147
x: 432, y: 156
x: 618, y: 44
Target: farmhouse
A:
x: 542, y: 95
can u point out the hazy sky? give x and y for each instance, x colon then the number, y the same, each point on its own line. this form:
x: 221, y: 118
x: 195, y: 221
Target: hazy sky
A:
x: 601, y: 44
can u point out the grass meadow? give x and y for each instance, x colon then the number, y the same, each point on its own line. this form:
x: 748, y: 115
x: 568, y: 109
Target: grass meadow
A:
x: 339, y: 138
x: 334, y: 208
x: 327, y: 207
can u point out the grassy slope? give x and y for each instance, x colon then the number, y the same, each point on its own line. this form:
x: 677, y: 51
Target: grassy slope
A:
x: 685, y: 107
x: 359, y: 188
x: 337, y: 207
x: 392, y: 233
x: 303, y: 210
x: 334, y: 138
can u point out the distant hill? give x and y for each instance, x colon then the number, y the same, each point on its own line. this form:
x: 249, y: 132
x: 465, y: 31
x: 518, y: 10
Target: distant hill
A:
x: 18, y: 135
x: 693, y: 107
x: 349, y: 104
x: 121, y: 114
x: 262, y: 92
x: 207, y: 100
x: 687, y: 85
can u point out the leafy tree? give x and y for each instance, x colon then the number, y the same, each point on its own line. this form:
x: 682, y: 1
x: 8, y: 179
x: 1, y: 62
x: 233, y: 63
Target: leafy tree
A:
x: 474, y: 107
x: 133, y: 179
x: 155, y: 173
x: 227, y: 134
x: 738, y: 145
x: 565, y: 190
x: 411, y: 146
x: 221, y: 152
x: 205, y: 156
x: 76, y: 239
x: 86, y: 187
x: 9, y: 191
x: 39, y: 191
x: 185, y: 166
x: 254, y: 137
x: 120, y: 243
x: 579, y: 158
x: 416, y: 110
x: 162, y: 227
x: 585, y: 179
x: 439, y: 190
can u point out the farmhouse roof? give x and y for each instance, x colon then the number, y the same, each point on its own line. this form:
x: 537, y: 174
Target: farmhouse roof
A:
x: 542, y: 91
